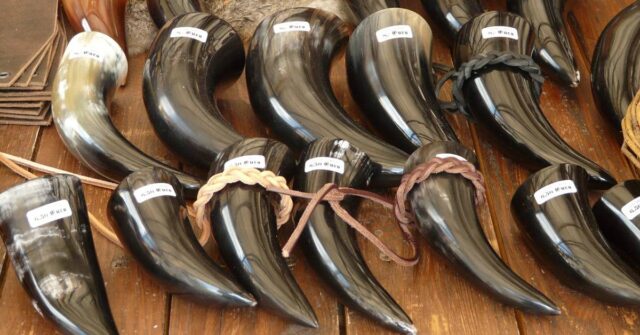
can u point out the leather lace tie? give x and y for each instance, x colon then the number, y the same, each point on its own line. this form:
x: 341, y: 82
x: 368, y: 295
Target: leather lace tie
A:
x: 330, y: 193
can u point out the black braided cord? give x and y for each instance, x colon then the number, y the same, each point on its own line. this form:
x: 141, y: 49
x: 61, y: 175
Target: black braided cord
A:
x: 469, y: 69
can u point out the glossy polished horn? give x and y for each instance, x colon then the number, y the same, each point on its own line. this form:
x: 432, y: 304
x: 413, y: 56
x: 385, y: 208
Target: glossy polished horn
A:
x: 615, y: 68
x: 245, y: 229
x: 553, y: 48
x: 164, y: 10
x: 188, y: 58
x: 390, y: 76
x: 552, y: 209
x: 617, y: 213
x: 444, y: 207
x: 503, y: 99
x: 45, y: 228
x: 330, y: 244
x: 105, y: 16
x: 150, y: 218
x: 451, y: 15
x: 288, y: 80
x: 92, y: 67
x: 363, y: 8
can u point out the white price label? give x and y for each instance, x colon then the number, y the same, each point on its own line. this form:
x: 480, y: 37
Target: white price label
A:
x: 85, y: 25
x: 48, y: 213
x: 291, y: 26
x: 324, y: 163
x: 190, y: 32
x: 500, y: 31
x: 151, y: 191
x: 632, y: 209
x: 443, y: 156
x: 249, y: 161
x: 555, y: 190
x: 85, y: 53
x: 393, y: 32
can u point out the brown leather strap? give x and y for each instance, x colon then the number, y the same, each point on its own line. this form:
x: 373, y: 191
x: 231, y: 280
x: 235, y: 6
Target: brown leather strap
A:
x: 434, y: 166
x: 334, y: 195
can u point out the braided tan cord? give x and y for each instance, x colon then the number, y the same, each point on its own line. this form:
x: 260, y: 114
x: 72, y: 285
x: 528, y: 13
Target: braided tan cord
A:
x: 631, y: 132
x: 95, y: 222
x: 329, y: 193
x: 248, y: 176
x: 14, y: 162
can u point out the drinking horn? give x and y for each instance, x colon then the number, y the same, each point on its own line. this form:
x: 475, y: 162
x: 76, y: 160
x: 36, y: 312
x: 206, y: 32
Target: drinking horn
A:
x: 504, y: 101
x: 330, y: 244
x: 451, y: 15
x: 164, y: 10
x: 552, y: 209
x: 444, y: 207
x: 188, y: 58
x: 615, y: 68
x: 363, y: 8
x: 552, y: 46
x: 390, y: 76
x: 396, y: 71
x: 617, y: 215
x: 244, y: 226
x: 150, y: 218
x: 105, y: 16
x: 45, y: 228
x: 92, y: 66
x: 288, y: 80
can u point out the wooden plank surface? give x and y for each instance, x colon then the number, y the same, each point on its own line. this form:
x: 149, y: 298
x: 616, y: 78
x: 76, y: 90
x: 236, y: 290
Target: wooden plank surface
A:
x: 438, y: 300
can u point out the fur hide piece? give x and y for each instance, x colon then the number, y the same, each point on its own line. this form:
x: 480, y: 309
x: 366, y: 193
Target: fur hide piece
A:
x: 243, y: 15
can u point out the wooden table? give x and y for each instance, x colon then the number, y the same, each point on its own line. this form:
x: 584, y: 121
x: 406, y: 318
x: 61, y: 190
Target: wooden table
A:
x: 438, y: 300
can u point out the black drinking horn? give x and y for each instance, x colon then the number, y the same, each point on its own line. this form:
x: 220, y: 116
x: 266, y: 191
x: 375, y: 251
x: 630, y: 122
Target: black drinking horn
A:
x: 164, y: 10
x: 390, y: 76
x: 617, y: 213
x: 150, y: 218
x: 330, y: 244
x: 444, y: 207
x: 45, y: 228
x: 244, y: 225
x: 552, y: 209
x: 451, y: 15
x: 92, y: 67
x: 188, y: 58
x: 615, y: 68
x: 363, y: 8
x: 504, y: 101
x: 389, y: 59
x: 288, y: 81
x: 552, y: 46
